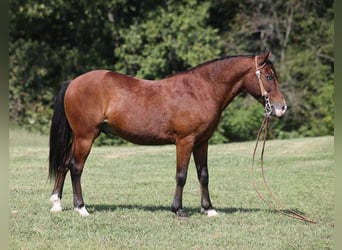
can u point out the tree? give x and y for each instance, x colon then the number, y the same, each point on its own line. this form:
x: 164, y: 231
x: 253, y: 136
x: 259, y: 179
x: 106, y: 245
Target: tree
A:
x: 167, y: 39
x: 51, y: 42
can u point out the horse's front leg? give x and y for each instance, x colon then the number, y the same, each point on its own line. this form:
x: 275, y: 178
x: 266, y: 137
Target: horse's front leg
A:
x: 183, y: 152
x: 201, y: 161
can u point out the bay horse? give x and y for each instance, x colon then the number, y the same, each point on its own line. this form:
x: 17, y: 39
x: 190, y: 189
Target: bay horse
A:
x: 183, y: 109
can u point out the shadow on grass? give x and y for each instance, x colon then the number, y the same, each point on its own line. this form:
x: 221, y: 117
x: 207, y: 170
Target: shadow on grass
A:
x: 188, y: 210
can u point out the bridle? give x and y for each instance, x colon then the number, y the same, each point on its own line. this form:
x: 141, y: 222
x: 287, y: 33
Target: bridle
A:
x: 264, y: 93
x: 264, y: 126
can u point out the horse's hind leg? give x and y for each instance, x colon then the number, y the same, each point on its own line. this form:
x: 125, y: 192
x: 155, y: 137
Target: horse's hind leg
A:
x: 201, y: 160
x: 56, y: 195
x: 81, y: 149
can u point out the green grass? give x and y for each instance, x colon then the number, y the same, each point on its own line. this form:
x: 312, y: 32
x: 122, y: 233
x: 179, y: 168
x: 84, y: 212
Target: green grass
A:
x: 128, y: 192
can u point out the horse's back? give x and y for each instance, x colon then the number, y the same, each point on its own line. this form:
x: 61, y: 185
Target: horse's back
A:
x: 99, y: 85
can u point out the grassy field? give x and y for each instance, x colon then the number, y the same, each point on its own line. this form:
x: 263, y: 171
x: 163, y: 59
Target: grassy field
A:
x: 128, y: 192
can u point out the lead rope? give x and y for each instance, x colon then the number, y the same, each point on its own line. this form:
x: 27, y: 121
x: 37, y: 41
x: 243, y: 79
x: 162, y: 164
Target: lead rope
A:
x: 287, y: 212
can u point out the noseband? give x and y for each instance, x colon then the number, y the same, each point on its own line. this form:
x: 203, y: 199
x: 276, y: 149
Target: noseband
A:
x: 264, y: 93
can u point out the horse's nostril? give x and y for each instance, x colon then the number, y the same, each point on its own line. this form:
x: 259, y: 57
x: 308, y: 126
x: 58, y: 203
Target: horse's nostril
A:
x: 283, y: 109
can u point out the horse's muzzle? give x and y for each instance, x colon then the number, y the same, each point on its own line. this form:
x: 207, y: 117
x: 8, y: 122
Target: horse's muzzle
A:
x: 279, y: 109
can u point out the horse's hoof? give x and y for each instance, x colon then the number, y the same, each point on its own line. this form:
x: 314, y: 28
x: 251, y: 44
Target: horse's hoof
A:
x: 180, y: 213
x: 82, y: 211
x: 56, y: 204
x: 209, y: 212
x: 56, y: 208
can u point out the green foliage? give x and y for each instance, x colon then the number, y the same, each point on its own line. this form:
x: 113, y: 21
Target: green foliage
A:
x: 51, y: 42
x: 240, y: 121
x: 165, y: 40
x: 108, y: 140
x: 311, y: 95
x: 30, y: 93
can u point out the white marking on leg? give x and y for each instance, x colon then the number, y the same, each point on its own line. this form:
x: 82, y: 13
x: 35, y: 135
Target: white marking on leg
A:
x: 212, y: 213
x: 56, y: 204
x: 209, y: 212
x: 82, y: 211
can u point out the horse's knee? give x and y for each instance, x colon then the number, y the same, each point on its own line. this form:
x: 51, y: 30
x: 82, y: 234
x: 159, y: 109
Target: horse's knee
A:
x: 75, y: 169
x: 203, y: 176
x: 204, y: 180
x: 181, y: 178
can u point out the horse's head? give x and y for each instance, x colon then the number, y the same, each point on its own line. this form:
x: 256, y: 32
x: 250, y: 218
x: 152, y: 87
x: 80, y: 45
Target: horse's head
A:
x: 264, y: 86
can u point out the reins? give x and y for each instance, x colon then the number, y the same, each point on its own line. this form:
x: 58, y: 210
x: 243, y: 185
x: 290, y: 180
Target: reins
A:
x: 264, y: 127
x: 287, y: 212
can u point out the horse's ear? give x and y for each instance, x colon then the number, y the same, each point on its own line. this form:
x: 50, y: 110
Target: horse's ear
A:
x: 268, y: 54
x: 262, y: 58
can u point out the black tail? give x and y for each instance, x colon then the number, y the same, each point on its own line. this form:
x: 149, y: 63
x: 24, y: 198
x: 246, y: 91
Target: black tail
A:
x: 60, y: 134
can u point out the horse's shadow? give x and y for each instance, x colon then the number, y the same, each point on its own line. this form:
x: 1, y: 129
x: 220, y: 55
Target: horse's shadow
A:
x: 188, y: 210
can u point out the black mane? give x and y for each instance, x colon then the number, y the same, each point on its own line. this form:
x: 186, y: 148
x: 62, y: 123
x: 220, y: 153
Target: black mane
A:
x: 210, y: 62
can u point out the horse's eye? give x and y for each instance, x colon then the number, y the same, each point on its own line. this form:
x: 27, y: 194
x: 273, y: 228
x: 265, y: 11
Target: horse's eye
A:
x: 269, y: 77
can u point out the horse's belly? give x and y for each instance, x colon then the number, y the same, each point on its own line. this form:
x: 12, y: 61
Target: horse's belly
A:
x: 139, y: 135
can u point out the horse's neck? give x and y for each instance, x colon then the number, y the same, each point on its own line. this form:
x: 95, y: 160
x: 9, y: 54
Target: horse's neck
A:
x: 227, y: 79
